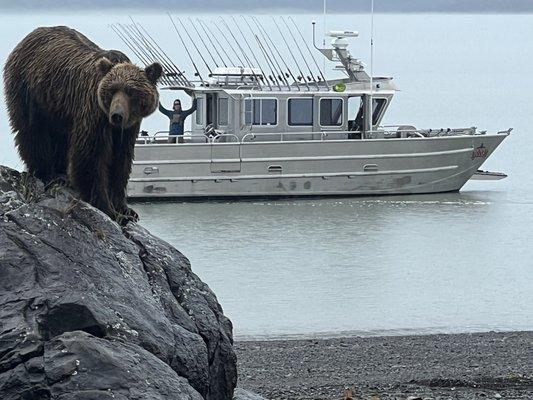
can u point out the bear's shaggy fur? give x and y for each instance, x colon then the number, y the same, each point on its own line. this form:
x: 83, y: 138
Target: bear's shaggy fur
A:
x: 76, y: 109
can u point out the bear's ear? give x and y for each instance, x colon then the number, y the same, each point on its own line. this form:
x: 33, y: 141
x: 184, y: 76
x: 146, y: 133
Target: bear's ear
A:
x: 154, y: 72
x: 104, y: 66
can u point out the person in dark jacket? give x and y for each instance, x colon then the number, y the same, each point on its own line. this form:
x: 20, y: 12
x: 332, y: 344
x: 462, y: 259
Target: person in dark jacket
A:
x: 177, y: 118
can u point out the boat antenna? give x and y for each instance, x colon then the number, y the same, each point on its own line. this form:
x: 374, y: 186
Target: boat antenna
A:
x: 185, y: 47
x: 301, y: 54
x: 324, y: 38
x: 202, y: 24
x: 371, y: 64
x: 310, y: 53
x: 292, y: 55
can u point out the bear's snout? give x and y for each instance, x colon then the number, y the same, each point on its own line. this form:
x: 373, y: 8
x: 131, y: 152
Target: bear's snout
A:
x: 118, y: 111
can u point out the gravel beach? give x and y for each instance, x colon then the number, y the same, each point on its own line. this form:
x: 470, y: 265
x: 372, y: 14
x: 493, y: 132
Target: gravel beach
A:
x: 445, y: 366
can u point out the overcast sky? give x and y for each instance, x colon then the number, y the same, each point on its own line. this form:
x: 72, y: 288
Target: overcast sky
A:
x: 273, y: 6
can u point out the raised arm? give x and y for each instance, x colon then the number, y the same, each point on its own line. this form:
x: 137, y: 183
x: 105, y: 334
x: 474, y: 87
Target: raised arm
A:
x: 163, y: 110
x: 192, y: 109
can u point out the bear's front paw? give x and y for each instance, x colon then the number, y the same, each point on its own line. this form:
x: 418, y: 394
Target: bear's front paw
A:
x: 126, y: 215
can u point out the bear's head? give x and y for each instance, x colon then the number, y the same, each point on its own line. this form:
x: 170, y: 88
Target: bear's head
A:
x: 127, y: 93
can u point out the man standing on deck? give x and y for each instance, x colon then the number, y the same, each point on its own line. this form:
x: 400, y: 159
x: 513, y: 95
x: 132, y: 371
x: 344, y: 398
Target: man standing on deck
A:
x: 177, y: 118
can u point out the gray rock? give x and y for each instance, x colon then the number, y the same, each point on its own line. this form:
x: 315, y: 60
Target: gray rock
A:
x: 93, y: 311
x: 241, y: 394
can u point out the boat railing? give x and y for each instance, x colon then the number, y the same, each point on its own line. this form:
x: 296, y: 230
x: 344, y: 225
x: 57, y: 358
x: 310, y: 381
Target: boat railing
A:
x: 386, y: 131
x: 407, y: 130
x: 283, y: 136
x: 188, y: 136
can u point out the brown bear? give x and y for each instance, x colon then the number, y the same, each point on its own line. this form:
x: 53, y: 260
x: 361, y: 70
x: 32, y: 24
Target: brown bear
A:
x: 76, y: 109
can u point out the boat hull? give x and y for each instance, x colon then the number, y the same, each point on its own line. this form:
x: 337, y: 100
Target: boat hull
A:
x: 309, y: 168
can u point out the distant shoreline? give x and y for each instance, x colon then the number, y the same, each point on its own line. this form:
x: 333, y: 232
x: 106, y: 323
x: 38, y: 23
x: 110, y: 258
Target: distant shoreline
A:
x: 232, y: 11
x: 352, y: 334
x: 438, y: 366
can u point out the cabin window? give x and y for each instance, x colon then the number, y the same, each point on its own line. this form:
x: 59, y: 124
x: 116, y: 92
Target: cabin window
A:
x: 331, y: 112
x: 260, y: 111
x: 199, y: 111
x: 378, y: 106
x: 300, y: 111
x: 223, y: 111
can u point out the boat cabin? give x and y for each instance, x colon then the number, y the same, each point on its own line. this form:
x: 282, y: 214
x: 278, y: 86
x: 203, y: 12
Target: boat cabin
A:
x: 234, y: 113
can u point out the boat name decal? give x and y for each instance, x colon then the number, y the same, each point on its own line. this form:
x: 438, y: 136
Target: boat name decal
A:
x: 480, y: 151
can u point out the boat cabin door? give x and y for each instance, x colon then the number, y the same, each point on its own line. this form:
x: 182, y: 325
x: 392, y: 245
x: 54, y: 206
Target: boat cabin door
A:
x: 225, y: 148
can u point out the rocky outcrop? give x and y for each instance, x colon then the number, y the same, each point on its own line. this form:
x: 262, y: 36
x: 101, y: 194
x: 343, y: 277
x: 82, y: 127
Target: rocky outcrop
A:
x: 90, y: 310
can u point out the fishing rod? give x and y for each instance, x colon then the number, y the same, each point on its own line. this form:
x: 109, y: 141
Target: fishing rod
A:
x: 285, y: 62
x: 228, y: 42
x: 309, y: 50
x: 281, y: 75
x: 263, y: 77
x: 127, y: 43
x: 236, y: 41
x: 202, y: 40
x: 155, y: 58
x: 141, y: 53
x: 273, y: 76
x: 202, y: 24
x: 147, y: 59
x: 292, y: 55
x: 172, y: 67
x: 186, y: 49
x: 301, y: 54
x: 250, y: 65
x: 194, y: 44
x: 258, y: 45
x: 249, y: 48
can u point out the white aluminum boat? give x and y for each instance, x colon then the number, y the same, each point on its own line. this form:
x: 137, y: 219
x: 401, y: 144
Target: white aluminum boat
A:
x: 269, y: 129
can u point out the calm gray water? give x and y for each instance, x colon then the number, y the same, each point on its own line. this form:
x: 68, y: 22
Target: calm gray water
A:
x: 439, y: 263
